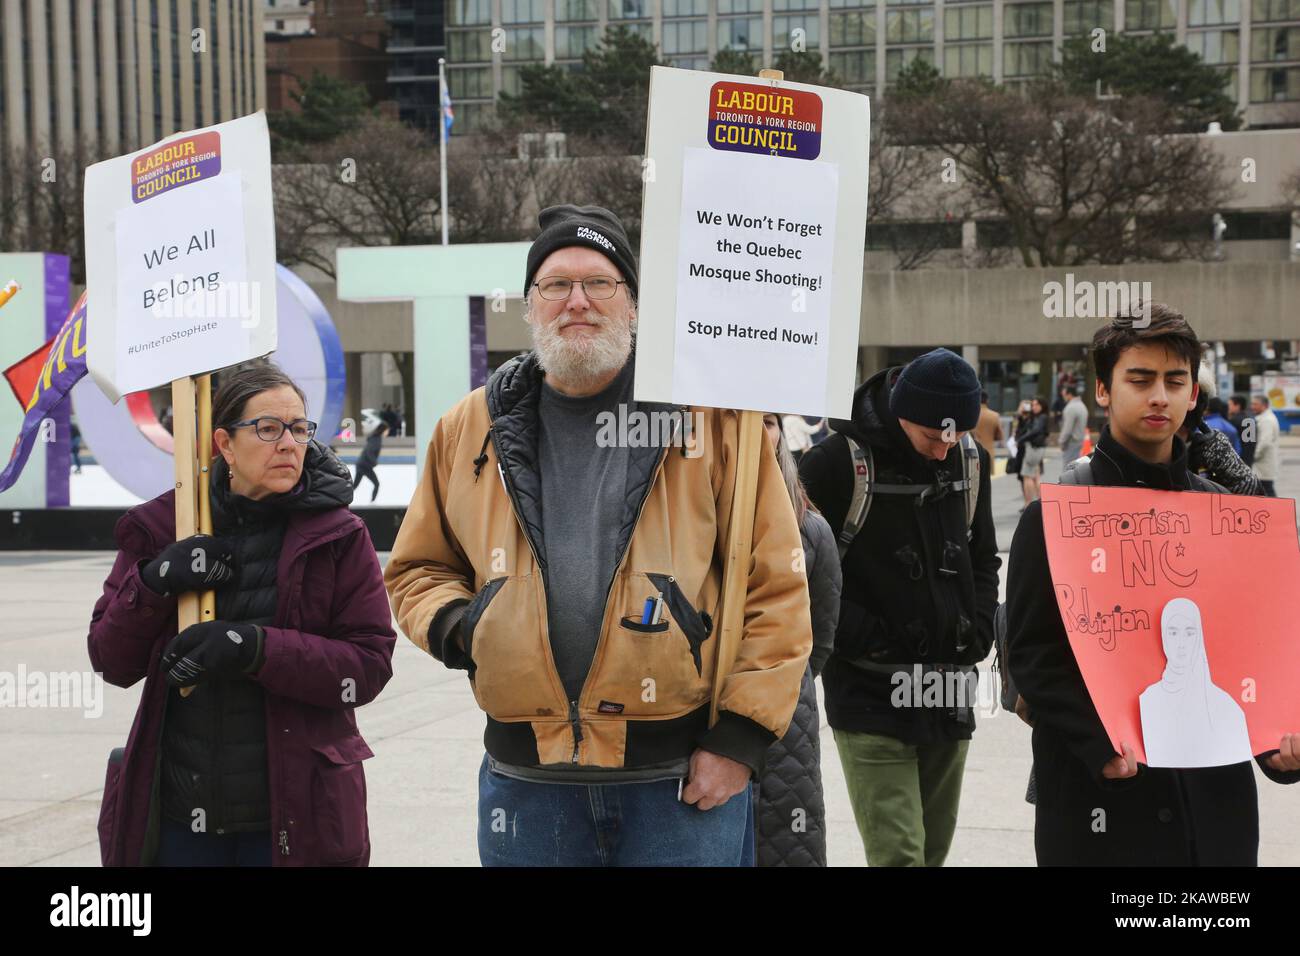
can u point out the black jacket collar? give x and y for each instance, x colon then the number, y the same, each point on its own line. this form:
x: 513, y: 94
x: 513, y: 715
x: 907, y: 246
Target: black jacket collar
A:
x: 1113, y: 464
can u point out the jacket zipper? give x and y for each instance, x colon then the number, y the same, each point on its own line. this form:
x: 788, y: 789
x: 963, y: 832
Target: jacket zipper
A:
x: 577, y: 729
x: 618, y: 565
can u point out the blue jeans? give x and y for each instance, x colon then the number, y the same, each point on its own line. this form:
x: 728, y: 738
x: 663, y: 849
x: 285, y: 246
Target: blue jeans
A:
x: 178, y: 845
x: 521, y: 823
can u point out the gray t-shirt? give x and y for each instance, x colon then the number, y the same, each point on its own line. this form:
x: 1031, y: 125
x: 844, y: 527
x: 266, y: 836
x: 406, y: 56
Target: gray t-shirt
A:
x: 583, y: 490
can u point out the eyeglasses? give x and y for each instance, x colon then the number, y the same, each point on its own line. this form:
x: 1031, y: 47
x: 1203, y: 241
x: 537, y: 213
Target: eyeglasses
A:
x: 270, y: 429
x: 595, y: 287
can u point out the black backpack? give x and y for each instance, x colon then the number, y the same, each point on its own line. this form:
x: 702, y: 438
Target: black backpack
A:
x: 865, y: 487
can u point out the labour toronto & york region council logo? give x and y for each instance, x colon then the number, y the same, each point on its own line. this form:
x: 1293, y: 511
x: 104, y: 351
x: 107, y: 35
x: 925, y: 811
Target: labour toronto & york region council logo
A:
x: 749, y: 118
x: 178, y: 163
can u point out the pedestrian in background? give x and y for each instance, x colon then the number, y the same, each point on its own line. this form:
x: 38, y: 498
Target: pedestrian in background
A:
x: 799, y: 434
x: 1074, y: 424
x: 789, y: 806
x: 369, y: 458
x: 1034, y: 440
x: 1267, y: 434
x: 988, y: 431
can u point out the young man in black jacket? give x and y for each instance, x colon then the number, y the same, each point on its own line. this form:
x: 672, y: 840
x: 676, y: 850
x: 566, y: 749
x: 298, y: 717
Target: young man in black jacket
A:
x: 920, y: 586
x: 1097, y: 807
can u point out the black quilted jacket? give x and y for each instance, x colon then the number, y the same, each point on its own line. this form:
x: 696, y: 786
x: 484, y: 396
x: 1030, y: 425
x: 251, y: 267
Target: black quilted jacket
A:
x: 789, y: 811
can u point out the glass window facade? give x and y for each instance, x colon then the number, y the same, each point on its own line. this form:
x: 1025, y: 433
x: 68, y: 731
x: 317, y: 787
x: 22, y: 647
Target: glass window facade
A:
x: 1275, y: 43
x: 1150, y: 15
x: 470, y: 46
x: 1084, y: 16
x: 895, y: 60
x: 1214, y: 46
x: 470, y: 84
x: 523, y: 11
x: 967, y: 59
x: 572, y: 42
x: 629, y: 10
x: 686, y: 36
x: 740, y: 33
x: 853, y: 28
x: 857, y: 68
x: 575, y: 11
x: 1275, y: 84
x: 468, y: 12
x: 1027, y: 20
x: 910, y: 26
x: 1201, y: 13
x: 968, y: 22
x: 524, y: 43
x: 1026, y: 59
x: 783, y: 28
x: 1266, y: 11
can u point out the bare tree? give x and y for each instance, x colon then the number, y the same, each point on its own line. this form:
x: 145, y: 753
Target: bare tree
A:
x: 377, y: 186
x: 1076, y: 180
x: 907, y: 188
x: 41, y: 202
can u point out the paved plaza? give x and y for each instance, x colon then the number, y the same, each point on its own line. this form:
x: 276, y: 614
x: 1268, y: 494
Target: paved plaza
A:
x: 426, y: 732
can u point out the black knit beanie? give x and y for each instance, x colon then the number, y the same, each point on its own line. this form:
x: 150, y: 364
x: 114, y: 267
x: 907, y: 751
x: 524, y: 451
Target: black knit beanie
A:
x: 591, y: 226
x: 935, y: 387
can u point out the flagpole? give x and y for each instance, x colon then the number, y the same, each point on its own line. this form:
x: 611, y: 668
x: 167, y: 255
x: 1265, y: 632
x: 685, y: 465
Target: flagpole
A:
x: 442, y: 128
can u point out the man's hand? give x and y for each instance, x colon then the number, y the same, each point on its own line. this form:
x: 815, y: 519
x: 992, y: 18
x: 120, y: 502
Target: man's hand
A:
x: 1121, y: 766
x: 1287, y: 757
x: 714, y: 780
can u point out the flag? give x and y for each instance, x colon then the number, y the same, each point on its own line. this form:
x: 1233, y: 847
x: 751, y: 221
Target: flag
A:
x: 46, y: 384
x: 448, y: 117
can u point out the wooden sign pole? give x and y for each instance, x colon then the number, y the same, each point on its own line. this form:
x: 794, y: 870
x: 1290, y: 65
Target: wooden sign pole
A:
x: 740, y: 537
x: 192, y: 450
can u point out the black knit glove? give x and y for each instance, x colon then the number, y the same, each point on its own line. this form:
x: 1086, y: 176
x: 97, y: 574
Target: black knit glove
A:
x: 1211, y: 450
x: 220, y: 648
x: 198, y: 563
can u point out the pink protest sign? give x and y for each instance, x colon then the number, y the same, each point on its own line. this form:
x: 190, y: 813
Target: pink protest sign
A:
x: 1180, y: 611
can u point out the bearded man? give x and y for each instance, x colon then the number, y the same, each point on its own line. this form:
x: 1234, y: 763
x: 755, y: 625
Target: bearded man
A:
x: 577, y: 581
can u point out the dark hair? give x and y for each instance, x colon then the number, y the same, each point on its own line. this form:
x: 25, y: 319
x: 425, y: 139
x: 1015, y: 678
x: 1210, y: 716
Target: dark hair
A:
x: 1041, y: 404
x: 984, y: 395
x: 241, y: 383
x: 1071, y: 389
x: 1240, y: 400
x: 1261, y: 399
x: 1167, y: 328
x: 1218, y: 407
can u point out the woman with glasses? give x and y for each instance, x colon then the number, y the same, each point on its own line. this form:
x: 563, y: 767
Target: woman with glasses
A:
x: 259, y: 763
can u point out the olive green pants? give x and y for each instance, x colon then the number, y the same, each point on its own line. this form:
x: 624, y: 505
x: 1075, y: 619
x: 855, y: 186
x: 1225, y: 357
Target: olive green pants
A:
x: 904, y: 796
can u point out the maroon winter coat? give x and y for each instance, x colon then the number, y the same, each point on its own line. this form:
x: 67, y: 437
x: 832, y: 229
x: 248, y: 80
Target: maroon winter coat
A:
x: 332, y: 623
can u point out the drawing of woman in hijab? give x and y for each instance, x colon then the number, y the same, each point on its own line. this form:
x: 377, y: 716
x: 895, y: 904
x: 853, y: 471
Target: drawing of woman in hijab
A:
x: 1186, y: 720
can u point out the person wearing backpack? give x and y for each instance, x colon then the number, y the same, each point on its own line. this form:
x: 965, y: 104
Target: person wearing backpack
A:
x: 1096, y: 807
x: 906, y: 491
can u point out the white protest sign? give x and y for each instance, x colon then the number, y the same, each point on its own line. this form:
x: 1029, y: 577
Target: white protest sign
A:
x: 180, y: 257
x: 751, y: 243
